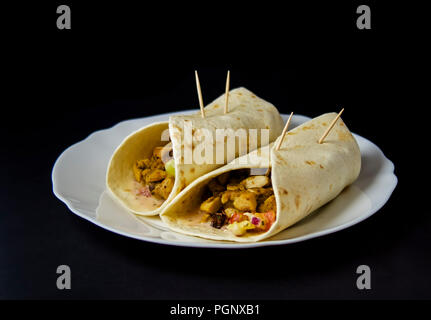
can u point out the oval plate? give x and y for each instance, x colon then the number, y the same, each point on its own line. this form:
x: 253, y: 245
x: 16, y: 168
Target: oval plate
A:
x: 78, y: 179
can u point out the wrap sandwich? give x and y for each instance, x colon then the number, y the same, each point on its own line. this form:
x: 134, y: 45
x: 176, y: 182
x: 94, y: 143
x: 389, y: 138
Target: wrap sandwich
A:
x: 152, y: 165
x: 260, y: 194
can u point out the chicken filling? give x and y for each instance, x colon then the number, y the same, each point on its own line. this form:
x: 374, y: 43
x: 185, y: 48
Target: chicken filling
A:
x: 241, y: 202
x: 156, y: 174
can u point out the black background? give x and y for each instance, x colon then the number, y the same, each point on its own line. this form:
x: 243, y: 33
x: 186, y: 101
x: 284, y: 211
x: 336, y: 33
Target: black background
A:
x: 133, y: 60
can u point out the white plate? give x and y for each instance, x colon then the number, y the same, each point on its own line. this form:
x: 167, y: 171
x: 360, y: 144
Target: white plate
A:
x: 78, y: 179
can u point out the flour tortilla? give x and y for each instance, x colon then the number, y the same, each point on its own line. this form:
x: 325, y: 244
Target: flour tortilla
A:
x: 305, y: 176
x: 246, y: 111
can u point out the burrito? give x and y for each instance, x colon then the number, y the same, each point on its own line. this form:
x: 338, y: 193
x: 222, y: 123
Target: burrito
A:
x: 152, y: 165
x: 270, y: 190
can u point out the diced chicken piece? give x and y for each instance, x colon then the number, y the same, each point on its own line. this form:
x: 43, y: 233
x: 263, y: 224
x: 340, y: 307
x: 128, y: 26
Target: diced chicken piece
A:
x: 255, y: 182
x: 228, y: 195
x: 157, y: 152
x: 144, y: 174
x: 228, y: 205
x: 225, y: 197
x: 235, y: 187
x: 137, y: 172
x: 205, y: 217
x: 155, y: 175
x: 164, y: 188
x: 141, y: 164
x: 268, y: 205
x: 261, y: 193
x: 222, y: 179
x: 157, y: 163
x: 246, y: 201
x: 211, y: 205
x: 147, y: 163
x: 215, y: 187
x: 138, y: 167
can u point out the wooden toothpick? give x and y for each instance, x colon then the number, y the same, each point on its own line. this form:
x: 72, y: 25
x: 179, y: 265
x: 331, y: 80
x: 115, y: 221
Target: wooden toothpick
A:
x: 330, y: 126
x: 227, y: 92
x: 198, y: 87
x: 284, y: 132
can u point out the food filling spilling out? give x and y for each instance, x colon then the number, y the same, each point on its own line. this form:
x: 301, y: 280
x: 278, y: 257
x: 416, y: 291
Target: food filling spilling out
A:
x: 156, y: 174
x: 240, y: 202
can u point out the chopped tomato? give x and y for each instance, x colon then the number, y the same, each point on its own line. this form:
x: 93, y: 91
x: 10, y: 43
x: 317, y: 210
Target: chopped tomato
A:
x: 237, y: 217
x: 270, y: 217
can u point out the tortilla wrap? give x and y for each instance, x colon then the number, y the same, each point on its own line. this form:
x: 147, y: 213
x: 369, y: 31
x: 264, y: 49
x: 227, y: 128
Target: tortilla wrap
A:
x: 246, y: 111
x: 305, y: 175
